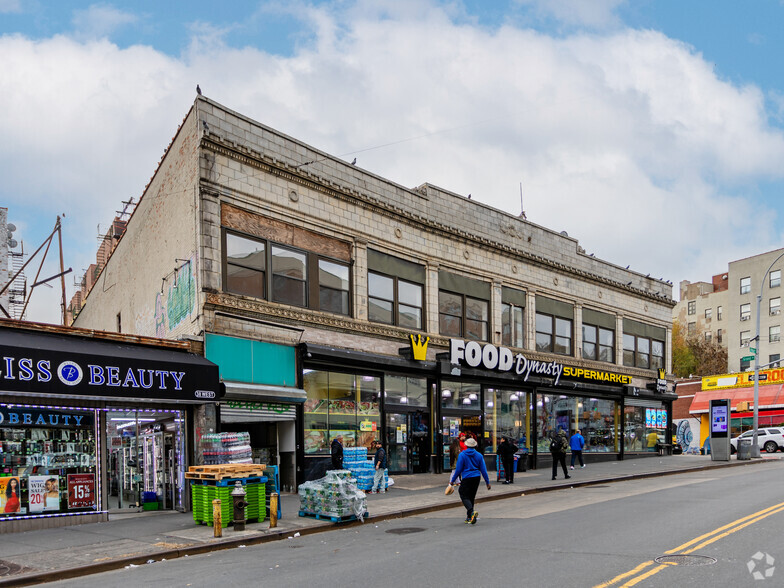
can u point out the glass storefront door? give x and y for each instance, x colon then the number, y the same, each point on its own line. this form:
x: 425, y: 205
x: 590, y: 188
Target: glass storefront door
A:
x: 408, y: 442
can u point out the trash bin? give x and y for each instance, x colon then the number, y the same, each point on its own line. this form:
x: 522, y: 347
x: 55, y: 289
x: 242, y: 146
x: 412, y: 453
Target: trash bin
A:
x: 744, y: 448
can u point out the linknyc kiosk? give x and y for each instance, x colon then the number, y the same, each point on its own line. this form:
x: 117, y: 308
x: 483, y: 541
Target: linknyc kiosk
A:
x: 720, y: 430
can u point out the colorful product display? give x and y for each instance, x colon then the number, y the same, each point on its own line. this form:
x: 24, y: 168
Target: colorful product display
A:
x: 335, y: 495
x: 219, y: 448
x: 357, y: 461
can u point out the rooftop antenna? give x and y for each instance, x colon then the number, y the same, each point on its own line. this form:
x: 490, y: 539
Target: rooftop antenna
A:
x: 522, y: 210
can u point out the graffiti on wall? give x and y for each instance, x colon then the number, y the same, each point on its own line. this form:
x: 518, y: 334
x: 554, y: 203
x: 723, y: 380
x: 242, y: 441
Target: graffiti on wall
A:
x: 177, y: 299
x: 687, y: 433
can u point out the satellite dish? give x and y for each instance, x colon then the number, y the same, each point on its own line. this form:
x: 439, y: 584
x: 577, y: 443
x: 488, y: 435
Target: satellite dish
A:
x: 11, y: 227
x: 12, y: 243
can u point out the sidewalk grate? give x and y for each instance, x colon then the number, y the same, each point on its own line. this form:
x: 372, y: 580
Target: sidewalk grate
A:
x: 8, y: 568
x: 405, y: 530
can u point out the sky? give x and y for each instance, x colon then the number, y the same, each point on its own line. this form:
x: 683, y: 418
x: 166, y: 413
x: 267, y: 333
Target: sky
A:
x: 650, y: 130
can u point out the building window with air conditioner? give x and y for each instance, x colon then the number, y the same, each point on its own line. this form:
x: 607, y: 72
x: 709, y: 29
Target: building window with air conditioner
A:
x: 745, y: 285
x: 745, y: 311
x: 774, y: 334
x: 775, y: 306
x: 773, y: 360
x: 744, y: 338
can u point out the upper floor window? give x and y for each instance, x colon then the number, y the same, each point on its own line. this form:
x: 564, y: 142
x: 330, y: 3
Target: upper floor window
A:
x: 643, y: 345
x: 554, y: 326
x: 708, y: 336
x: 395, y: 291
x: 744, y: 338
x: 264, y: 269
x: 692, y: 307
x: 598, y: 343
x: 719, y: 313
x: 774, y: 306
x: 719, y: 336
x: 773, y: 360
x: 775, y: 278
x: 774, y: 333
x: 708, y: 313
x: 745, y: 285
x: 512, y: 313
x: 463, y: 307
x: 745, y: 311
x: 692, y: 328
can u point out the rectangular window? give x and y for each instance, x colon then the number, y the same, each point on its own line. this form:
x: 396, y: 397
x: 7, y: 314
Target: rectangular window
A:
x: 512, y: 325
x: 745, y: 312
x: 708, y: 312
x: 477, y: 319
x: 395, y: 291
x: 692, y: 328
x: 744, y: 338
x: 553, y: 334
x: 598, y: 343
x: 773, y: 360
x: 289, y: 280
x: 719, y: 336
x: 245, y: 266
x: 405, y: 390
x: 774, y: 333
x: 692, y: 307
x: 745, y: 285
x: 708, y: 336
x: 745, y: 365
x: 642, y: 352
x: 450, y: 314
x: 775, y: 278
x: 463, y: 307
x: 718, y: 313
x: 774, y: 306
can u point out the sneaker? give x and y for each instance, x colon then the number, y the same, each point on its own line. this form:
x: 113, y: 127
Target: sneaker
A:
x: 582, y: 466
x: 571, y: 467
x: 553, y: 477
x: 467, y: 521
x: 567, y: 477
x: 474, y: 517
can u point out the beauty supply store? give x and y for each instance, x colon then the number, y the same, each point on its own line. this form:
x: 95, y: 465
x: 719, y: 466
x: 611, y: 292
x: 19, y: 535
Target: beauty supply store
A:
x: 418, y: 408
x: 88, y: 425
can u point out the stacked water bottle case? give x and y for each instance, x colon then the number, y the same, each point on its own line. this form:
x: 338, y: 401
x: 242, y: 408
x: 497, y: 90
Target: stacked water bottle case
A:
x: 334, y: 497
x: 357, y: 461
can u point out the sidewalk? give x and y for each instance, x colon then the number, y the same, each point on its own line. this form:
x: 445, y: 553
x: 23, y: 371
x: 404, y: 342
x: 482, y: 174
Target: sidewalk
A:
x: 138, y: 538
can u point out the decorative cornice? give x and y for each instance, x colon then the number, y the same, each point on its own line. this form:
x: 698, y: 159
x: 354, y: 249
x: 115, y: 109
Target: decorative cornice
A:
x: 335, y: 189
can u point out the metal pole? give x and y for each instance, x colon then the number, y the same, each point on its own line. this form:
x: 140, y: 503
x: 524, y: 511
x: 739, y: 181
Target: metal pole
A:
x: 755, y: 452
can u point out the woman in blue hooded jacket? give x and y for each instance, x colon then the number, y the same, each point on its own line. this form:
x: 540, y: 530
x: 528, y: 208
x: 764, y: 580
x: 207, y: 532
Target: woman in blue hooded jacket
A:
x: 470, y: 466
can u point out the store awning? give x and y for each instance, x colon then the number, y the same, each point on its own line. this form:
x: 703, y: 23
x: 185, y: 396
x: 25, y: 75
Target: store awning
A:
x: 263, y: 392
x: 771, y: 396
x: 46, y: 364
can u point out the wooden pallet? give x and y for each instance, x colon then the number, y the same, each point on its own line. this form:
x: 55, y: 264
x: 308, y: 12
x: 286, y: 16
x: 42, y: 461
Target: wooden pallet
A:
x: 334, y: 519
x: 227, y: 468
x: 227, y: 476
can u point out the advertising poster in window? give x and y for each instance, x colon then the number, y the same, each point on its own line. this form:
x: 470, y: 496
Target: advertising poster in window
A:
x: 81, y: 490
x: 650, y: 418
x: 10, y: 495
x: 43, y: 493
x: 661, y: 418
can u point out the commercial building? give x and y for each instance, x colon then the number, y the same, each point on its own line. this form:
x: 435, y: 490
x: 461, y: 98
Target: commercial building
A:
x: 337, y: 302
x: 725, y: 310
x: 91, y: 422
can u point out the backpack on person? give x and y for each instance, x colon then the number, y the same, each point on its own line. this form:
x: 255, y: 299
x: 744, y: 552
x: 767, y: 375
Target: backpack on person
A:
x: 555, y: 445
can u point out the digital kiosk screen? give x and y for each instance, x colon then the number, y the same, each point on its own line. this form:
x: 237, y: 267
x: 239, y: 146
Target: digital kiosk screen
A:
x: 719, y: 420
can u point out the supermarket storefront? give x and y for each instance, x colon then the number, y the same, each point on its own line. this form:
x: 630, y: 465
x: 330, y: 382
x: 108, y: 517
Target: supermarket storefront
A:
x: 91, y: 423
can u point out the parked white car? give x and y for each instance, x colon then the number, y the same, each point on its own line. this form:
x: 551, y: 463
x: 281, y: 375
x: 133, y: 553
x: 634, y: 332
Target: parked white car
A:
x: 770, y: 439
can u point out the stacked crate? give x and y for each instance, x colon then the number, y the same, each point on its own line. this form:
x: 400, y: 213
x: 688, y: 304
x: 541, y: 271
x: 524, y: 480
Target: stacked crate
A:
x: 217, y: 482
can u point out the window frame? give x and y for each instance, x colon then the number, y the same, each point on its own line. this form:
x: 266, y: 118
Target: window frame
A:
x: 774, y: 337
x: 708, y: 315
x: 311, y: 282
x: 650, y: 365
x: 692, y: 307
x: 553, y: 335
x: 509, y: 329
x: 396, y: 303
x: 464, y: 319
x: 597, y: 343
x: 719, y: 312
x: 777, y: 283
x: 745, y: 285
x: 774, y: 309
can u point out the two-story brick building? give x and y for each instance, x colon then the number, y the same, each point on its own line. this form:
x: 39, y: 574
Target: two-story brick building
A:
x: 307, y: 277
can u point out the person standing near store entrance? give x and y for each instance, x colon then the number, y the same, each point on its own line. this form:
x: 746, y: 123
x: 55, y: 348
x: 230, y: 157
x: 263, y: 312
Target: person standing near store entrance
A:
x: 506, y: 452
x: 337, y: 453
x: 576, y: 443
x: 380, y: 464
x: 470, y: 466
x: 559, y: 445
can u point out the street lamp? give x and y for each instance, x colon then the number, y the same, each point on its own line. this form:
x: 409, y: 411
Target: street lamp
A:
x: 755, y: 452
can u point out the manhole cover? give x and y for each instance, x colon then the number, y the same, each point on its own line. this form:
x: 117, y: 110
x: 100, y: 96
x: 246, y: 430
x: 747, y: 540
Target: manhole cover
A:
x: 405, y: 530
x: 8, y: 568
x: 686, y: 560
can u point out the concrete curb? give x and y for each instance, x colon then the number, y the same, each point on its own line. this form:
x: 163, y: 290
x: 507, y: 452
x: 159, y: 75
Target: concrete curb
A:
x: 278, y: 535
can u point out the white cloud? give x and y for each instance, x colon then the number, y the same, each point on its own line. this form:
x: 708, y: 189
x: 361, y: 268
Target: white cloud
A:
x: 100, y: 21
x: 10, y: 6
x: 627, y: 141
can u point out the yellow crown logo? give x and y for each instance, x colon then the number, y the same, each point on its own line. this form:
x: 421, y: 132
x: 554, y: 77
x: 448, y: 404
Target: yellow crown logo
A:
x: 662, y: 374
x: 419, y: 347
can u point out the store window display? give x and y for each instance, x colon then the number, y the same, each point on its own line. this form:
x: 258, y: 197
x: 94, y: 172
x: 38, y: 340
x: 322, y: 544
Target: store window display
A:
x: 506, y: 415
x: 597, y: 419
x: 47, y: 460
x: 645, y: 427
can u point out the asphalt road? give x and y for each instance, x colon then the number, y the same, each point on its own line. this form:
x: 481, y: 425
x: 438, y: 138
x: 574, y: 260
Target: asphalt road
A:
x: 605, y: 535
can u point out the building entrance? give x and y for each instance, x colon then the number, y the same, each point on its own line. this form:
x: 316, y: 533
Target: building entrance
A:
x: 408, y: 442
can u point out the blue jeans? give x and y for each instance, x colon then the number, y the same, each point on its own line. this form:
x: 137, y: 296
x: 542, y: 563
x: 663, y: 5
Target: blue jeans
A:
x: 378, y: 480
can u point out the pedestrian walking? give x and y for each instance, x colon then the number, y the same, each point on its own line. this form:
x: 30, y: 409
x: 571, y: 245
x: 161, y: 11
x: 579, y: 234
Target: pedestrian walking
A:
x: 559, y: 445
x: 336, y: 450
x: 380, y: 465
x: 506, y: 452
x: 471, y: 466
x: 576, y: 443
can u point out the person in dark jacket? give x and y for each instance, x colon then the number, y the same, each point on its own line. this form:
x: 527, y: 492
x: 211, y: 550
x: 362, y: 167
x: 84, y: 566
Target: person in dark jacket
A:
x: 559, y: 444
x: 379, y: 465
x: 506, y: 452
x: 337, y: 453
x: 470, y: 466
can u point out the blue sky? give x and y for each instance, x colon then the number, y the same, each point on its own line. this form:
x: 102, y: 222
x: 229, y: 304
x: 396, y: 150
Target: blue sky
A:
x: 651, y: 131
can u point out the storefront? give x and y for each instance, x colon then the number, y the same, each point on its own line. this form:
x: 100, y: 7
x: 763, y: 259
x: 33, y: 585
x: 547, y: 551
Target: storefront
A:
x: 94, y: 422
x: 262, y: 398
x: 418, y: 408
